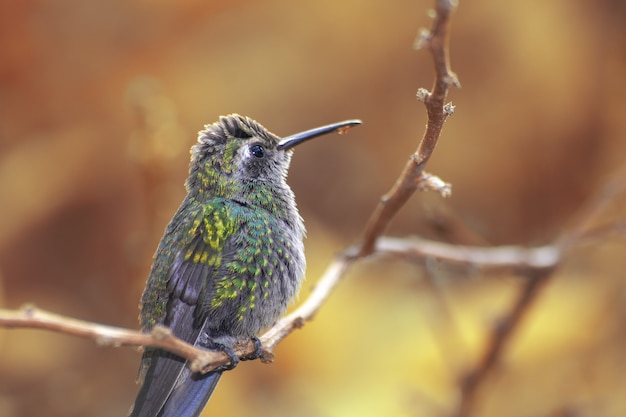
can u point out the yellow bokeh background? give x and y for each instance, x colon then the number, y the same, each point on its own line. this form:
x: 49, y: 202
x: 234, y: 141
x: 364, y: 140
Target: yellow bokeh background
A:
x: 101, y: 100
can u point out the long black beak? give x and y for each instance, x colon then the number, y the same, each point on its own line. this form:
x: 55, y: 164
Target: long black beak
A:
x: 293, y: 140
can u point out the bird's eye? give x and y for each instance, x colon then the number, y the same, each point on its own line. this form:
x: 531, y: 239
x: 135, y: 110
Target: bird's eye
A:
x: 257, y: 150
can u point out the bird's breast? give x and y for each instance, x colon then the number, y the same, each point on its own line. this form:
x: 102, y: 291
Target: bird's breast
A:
x: 261, y: 271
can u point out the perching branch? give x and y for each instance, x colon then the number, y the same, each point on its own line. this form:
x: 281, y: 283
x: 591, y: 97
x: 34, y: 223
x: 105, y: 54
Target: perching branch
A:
x: 34, y: 318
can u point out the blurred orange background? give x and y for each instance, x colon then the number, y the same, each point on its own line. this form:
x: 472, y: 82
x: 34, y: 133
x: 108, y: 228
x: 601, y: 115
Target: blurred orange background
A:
x: 101, y: 100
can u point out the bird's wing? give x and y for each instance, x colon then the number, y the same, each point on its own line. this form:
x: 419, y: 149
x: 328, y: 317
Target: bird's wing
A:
x: 190, y: 274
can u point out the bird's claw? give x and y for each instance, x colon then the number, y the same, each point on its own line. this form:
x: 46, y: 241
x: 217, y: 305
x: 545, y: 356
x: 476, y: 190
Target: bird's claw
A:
x: 232, y: 357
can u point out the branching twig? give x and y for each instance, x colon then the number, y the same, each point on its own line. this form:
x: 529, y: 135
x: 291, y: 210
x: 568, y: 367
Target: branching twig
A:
x: 413, y: 173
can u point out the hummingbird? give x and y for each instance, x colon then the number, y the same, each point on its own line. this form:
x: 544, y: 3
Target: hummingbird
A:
x: 229, y: 263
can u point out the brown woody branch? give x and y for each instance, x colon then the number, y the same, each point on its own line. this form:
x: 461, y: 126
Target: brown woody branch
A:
x: 34, y: 318
x: 413, y: 176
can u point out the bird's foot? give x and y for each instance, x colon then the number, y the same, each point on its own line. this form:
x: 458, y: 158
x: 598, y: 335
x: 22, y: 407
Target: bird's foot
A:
x: 258, y: 350
x: 232, y: 356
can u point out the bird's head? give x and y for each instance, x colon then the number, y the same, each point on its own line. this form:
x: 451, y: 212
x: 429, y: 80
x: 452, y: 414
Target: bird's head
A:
x: 237, y: 155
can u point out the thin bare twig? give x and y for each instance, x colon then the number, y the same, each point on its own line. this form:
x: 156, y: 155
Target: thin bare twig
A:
x: 498, y: 257
x: 413, y: 173
x: 34, y: 318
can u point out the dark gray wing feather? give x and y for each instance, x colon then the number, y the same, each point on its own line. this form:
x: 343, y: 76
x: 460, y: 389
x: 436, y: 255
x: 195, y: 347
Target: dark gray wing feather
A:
x: 168, y: 383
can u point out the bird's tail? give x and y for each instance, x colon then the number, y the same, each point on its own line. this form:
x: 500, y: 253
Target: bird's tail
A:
x: 190, y: 398
x: 170, y: 389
